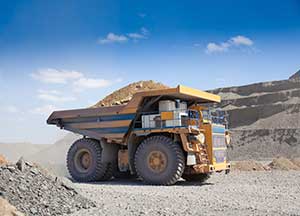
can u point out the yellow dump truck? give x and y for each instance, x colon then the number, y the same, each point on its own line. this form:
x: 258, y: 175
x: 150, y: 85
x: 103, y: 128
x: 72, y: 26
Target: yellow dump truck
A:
x: 160, y: 136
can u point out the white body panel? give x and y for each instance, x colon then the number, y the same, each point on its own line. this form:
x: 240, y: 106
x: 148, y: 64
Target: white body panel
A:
x: 166, y: 105
x: 148, y: 121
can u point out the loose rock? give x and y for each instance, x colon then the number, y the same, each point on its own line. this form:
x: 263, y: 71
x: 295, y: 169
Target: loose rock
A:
x: 33, y: 191
x: 21, y: 164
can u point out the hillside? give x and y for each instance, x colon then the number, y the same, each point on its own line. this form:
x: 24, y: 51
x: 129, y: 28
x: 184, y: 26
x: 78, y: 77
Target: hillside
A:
x: 264, y: 118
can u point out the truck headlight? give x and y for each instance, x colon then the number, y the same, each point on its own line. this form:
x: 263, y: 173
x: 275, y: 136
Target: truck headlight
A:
x: 201, y: 138
x: 227, y: 139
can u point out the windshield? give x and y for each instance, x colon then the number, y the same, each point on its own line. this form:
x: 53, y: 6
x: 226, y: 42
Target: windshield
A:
x: 216, y: 116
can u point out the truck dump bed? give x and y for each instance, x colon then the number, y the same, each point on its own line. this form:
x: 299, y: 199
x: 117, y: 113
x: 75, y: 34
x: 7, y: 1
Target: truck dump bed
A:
x: 114, y: 122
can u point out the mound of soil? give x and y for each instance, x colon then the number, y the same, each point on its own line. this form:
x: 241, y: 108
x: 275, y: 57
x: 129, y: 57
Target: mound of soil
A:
x: 123, y: 95
x: 33, y: 191
x: 282, y: 163
x: 2, y: 160
x: 248, y: 166
x: 296, y: 161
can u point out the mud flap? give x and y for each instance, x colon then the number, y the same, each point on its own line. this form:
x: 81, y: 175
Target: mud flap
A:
x: 109, y: 152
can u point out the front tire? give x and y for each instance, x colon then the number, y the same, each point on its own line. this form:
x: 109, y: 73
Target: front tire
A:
x: 159, y: 161
x: 84, y: 161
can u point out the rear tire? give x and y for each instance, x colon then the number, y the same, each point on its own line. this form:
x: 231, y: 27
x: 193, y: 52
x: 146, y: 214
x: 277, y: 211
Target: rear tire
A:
x: 108, y: 173
x: 84, y: 161
x: 159, y: 161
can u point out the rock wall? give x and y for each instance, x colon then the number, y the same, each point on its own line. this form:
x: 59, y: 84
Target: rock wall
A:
x: 264, y: 119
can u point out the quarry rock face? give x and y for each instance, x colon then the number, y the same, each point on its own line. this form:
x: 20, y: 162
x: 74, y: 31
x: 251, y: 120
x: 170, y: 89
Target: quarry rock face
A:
x: 264, y: 118
x: 295, y: 75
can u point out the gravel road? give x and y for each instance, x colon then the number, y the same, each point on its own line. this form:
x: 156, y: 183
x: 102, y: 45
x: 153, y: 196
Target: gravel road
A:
x: 239, y: 193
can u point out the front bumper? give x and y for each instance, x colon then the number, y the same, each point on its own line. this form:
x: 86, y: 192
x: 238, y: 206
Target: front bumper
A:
x: 218, y: 167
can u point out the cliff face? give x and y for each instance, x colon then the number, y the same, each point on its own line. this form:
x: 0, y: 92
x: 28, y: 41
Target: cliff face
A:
x: 264, y: 118
x: 295, y: 75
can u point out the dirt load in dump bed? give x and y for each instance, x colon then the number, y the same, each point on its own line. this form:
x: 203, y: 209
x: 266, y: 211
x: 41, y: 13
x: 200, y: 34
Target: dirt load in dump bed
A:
x: 123, y: 95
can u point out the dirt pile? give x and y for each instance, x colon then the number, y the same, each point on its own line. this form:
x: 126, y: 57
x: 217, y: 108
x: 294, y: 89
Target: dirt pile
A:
x: 33, y: 191
x: 123, y: 95
x: 296, y: 161
x: 2, y: 160
x: 7, y: 209
x: 283, y: 164
x: 248, y: 166
x: 279, y: 163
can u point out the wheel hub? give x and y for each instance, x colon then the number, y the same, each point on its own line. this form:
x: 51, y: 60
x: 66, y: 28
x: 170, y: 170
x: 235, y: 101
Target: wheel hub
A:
x: 83, y: 160
x: 157, y: 161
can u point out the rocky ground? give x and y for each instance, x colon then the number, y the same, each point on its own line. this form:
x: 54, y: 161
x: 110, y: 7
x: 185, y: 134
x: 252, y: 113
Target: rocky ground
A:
x: 33, y: 191
x: 239, y: 193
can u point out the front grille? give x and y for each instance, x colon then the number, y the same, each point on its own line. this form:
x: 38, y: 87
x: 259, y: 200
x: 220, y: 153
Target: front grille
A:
x: 219, y: 142
x: 220, y: 155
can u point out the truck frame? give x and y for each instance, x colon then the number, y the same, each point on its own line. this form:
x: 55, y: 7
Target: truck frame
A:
x: 159, y: 135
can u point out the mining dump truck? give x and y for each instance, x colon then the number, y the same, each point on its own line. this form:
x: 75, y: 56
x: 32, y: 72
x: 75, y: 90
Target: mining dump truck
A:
x: 159, y: 136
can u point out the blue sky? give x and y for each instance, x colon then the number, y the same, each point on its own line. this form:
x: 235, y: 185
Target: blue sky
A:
x: 69, y: 54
